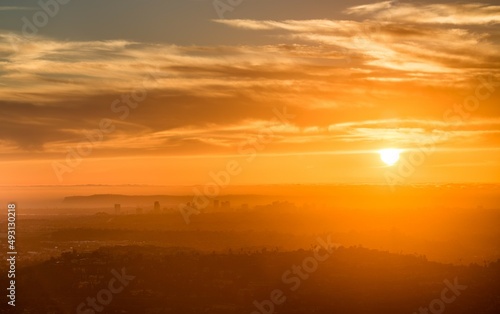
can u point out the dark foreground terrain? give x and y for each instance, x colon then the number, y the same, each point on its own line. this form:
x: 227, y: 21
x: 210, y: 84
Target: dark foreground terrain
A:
x: 148, y: 279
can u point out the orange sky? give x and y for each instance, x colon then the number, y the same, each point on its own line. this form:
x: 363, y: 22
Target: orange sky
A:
x: 314, y: 105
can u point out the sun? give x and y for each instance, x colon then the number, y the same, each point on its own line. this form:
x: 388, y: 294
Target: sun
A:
x: 389, y: 156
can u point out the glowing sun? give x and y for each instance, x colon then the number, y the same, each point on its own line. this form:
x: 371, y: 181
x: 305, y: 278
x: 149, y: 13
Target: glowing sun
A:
x: 389, y: 156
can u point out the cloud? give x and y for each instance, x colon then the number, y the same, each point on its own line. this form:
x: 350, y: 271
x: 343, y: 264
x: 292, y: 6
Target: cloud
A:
x: 13, y: 8
x: 392, y: 45
x: 446, y: 13
x: 351, y: 84
x: 371, y: 8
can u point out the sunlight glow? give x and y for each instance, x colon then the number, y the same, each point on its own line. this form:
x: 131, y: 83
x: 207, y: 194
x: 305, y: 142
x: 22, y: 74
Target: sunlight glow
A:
x: 389, y: 156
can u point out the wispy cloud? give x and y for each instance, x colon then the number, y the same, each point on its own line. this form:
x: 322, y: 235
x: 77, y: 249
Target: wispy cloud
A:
x: 392, y: 45
x: 446, y: 13
x: 14, y: 8
x: 343, y: 82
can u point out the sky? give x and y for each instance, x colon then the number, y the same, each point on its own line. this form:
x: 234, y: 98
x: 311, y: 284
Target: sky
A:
x: 248, y: 92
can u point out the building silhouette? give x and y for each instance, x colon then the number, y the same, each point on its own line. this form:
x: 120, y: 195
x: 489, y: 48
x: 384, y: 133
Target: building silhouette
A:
x: 226, y: 205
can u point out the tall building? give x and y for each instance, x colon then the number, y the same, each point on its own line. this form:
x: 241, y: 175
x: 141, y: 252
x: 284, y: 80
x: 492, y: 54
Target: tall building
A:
x: 157, y: 207
x: 118, y: 209
x: 226, y: 205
